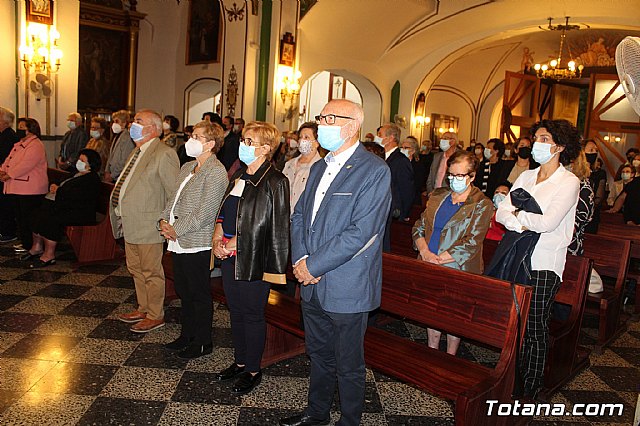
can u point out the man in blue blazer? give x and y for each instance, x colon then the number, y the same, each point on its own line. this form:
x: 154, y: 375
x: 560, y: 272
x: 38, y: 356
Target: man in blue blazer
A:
x: 336, y: 244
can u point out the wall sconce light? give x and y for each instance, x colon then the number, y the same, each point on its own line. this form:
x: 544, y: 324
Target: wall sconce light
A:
x: 41, y: 52
x: 613, y: 138
x: 288, y: 83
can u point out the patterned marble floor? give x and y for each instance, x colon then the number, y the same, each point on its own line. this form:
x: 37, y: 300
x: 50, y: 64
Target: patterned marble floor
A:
x: 65, y: 360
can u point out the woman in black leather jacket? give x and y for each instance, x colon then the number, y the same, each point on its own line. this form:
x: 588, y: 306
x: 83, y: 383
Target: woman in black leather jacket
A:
x: 252, y: 239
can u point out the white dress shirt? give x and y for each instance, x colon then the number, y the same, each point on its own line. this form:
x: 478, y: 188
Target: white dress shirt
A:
x: 388, y: 153
x: 557, y: 197
x: 174, y: 246
x: 334, y: 165
x: 143, y: 148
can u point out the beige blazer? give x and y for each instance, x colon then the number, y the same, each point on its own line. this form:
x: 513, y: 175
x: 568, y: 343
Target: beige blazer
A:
x: 151, y: 184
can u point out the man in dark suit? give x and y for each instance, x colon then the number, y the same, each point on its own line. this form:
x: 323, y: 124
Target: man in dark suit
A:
x: 402, y: 187
x: 336, y: 248
x: 8, y: 138
x: 493, y: 169
x: 229, y: 154
x: 448, y: 145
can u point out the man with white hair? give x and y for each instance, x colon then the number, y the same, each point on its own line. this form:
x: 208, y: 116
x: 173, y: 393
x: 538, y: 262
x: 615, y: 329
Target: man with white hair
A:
x: 336, y: 244
x: 137, y: 201
x: 438, y: 171
x: 8, y: 138
x: 73, y: 141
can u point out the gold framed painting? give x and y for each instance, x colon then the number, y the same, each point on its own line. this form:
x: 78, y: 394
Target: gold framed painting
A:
x: 40, y: 11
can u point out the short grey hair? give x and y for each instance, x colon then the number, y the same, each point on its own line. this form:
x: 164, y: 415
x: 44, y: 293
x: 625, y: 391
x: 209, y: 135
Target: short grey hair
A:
x: 392, y: 129
x: 76, y: 116
x: 156, y: 119
x: 7, y: 116
x: 122, y: 114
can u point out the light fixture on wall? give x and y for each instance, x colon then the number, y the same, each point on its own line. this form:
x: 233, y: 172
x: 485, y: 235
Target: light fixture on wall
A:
x: 41, y: 53
x: 554, y: 69
x: 289, y: 83
x: 614, y: 138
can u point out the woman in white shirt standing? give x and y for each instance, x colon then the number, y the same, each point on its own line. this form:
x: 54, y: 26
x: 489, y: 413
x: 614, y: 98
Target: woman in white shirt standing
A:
x: 187, y: 223
x: 297, y: 169
x: 555, y: 189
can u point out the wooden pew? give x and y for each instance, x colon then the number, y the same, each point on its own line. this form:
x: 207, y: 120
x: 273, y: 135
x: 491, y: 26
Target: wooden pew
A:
x: 91, y: 243
x: 565, y: 358
x: 611, y: 259
x: 470, y: 306
x: 632, y: 233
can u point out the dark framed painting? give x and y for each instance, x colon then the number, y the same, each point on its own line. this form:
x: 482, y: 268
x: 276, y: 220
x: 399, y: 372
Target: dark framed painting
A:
x: 287, y: 50
x: 40, y: 11
x: 205, y: 32
x: 103, y: 66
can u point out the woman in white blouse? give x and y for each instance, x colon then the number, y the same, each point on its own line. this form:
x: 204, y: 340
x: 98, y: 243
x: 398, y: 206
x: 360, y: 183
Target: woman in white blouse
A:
x: 555, y: 189
x: 297, y: 169
x: 187, y: 223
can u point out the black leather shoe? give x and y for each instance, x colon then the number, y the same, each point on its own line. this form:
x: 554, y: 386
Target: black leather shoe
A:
x: 179, y: 344
x: 246, y: 382
x: 195, y: 351
x: 303, y: 420
x: 229, y: 373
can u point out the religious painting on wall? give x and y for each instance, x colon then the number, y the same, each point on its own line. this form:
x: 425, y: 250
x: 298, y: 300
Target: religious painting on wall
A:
x: 287, y: 50
x: 40, y: 11
x: 203, y: 39
x: 103, y: 65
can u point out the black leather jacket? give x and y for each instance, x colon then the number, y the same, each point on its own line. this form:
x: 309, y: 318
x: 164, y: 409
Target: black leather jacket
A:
x: 262, y: 225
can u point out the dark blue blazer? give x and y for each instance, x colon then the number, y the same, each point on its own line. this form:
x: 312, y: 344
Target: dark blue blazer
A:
x: 402, y: 185
x: 344, y: 243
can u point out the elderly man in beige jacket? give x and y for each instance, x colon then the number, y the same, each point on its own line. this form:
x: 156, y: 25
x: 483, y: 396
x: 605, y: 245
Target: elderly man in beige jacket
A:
x: 138, y: 199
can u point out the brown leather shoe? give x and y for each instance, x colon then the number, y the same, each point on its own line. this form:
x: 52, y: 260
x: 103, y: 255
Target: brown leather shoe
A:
x: 133, y: 316
x: 147, y: 325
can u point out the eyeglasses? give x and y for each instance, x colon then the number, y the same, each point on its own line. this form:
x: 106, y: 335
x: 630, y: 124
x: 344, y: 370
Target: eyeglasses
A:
x: 249, y: 141
x: 331, y: 118
x: 458, y: 177
x: 200, y: 137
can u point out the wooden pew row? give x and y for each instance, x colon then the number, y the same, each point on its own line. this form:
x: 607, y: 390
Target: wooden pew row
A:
x: 620, y: 230
x: 91, y: 243
x: 430, y: 295
x: 611, y: 259
x: 565, y: 358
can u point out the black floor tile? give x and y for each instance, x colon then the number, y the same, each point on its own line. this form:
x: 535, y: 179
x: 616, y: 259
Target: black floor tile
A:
x: 419, y: 421
x: 89, y: 308
x: 7, y: 398
x: 372, y: 402
x: 295, y: 367
x: 17, y: 322
x: 154, y: 355
x: 119, y: 411
x: 114, y: 329
x: 63, y: 291
x: 262, y: 416
x: 41, y: 276
x: 203, y: 388
x: 77, y: 379
x: 631, y: 355
x: 171, y: 314
x: 618, y: 378
x: 9, y: 300
x: 48, y: 348
x: 15, y: 263
x: 132, y: 300
x: 98, y: 269
x: 117, y: 282
x: 222, y: 337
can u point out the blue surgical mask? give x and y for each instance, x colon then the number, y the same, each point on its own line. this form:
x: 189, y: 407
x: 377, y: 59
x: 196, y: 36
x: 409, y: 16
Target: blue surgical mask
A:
x: 458, y: 186
x: 329, y: 137
x: 541, y: 152
x: 71, y: 125
x: 405, y: 151
x: 498, y: 198
x: 136, y: 131
x: 247, y: 154
x: 445, y: 144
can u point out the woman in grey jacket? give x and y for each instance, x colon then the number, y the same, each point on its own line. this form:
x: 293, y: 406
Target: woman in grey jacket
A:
x: 187, y: 223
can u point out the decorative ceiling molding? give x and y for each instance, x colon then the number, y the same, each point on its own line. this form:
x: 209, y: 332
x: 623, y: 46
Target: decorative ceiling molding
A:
x: 430, y: 20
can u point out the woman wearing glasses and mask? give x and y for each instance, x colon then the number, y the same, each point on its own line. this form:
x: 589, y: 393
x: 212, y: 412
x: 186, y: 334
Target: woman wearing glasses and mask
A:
x: 187, y: 224
x: 297, y: 169
x: 555, y: 189
x: 251, y: 238
x: 452, y: 228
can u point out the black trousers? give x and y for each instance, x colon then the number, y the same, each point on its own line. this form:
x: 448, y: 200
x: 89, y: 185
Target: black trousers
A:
x: 25, y: 207
x: 246, y: 301
x: 7, y: 215
x: 191, y: 275
x: 335, y: 345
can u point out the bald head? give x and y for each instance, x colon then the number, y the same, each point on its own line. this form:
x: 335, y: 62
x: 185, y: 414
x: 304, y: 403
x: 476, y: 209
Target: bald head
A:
x: 348, y: 116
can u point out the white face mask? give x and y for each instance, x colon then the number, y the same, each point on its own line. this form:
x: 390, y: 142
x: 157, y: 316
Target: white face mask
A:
x: 541, y: 152
x: 378, y: 140
x: 95, y: 134
x: 636, y: 163
x: 165, y: 125
x: 293, y: 144
x: 507, y: 152
x: 236, y: 128
x: 71, y: 125
x: 445, y: 144
x: 116, y: 128
x: 405, y: 151
x: 488, y: 153
x: 81, y: 166
x: 194, y: 148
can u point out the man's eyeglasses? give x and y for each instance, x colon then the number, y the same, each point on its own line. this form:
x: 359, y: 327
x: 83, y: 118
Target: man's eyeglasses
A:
x: 458, y: 177
x: 331, y: 118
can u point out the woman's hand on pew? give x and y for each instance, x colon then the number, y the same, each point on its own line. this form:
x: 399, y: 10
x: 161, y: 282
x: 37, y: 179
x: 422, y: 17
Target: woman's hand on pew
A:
x: 445, y: 258
x: 429, y: 256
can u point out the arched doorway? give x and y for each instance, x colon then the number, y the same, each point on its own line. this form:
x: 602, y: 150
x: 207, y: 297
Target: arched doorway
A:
x: 202, y: 95
x: 340, y: 84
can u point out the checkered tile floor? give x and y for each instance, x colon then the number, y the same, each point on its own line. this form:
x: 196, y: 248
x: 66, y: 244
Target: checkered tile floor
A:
x: 65, y: 359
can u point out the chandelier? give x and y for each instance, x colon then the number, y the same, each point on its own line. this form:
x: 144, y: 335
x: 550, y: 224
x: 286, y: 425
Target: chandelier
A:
x: 554, y: 69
